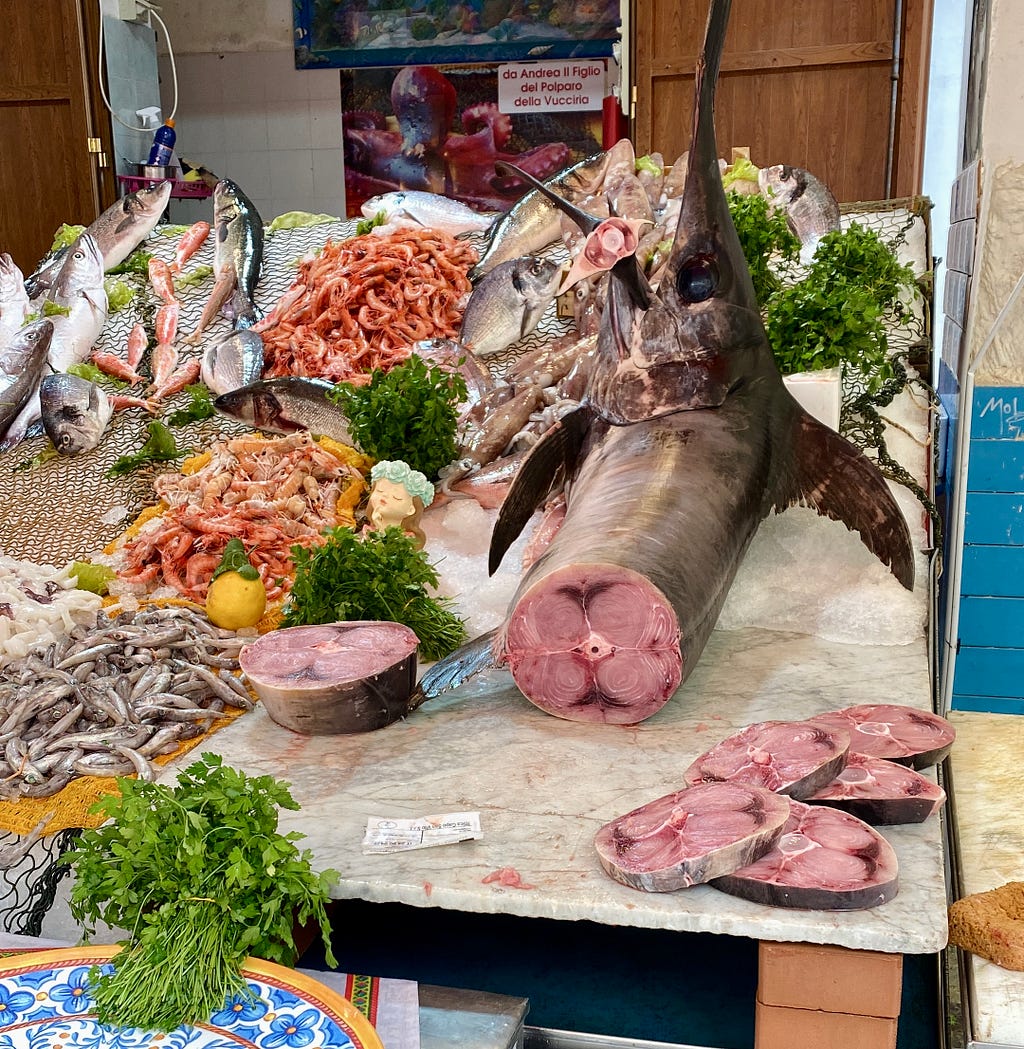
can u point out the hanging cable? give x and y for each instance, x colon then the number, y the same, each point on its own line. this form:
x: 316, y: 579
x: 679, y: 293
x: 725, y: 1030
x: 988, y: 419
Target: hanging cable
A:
x: 153, y: 12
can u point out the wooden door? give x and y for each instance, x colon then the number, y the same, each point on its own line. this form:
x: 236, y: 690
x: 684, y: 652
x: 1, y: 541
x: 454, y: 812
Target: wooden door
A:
x: 806, y: 83
x: 47, y: 175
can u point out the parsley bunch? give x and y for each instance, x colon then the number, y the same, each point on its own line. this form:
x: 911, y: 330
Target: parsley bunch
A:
x: 381, y: 576
x: 201, y: 877
x: 763, y: 233
x: 408, y: 413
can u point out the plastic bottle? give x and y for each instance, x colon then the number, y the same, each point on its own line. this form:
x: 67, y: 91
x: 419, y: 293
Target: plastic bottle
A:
x: 163, y: 145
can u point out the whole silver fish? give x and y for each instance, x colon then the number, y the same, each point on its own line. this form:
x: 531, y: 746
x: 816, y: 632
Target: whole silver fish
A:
x: 14, y: 304
x: 118, y: 231
x: 22, y: 361
x: 75, y: 412
x: 686, y: 439
x: 235, y: 361
x: 508, y: 303
x: 454, y: 357
x: 533, y: 221
x: 811, y: 209
x: 428, y: 209
x: 78, y: 289
x: 286, y: 405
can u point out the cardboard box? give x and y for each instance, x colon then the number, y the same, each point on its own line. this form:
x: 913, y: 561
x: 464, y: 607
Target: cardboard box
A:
x: 834, y: 979
x: 779, y: 1028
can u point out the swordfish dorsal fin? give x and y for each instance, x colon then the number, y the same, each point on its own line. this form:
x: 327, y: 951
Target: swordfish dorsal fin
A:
x: 839, y: 481
x: 702, y: 333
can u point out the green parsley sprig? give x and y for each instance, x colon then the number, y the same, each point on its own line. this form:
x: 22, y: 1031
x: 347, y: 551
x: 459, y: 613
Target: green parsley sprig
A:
x: 201, y: 877
x: 381, y: 576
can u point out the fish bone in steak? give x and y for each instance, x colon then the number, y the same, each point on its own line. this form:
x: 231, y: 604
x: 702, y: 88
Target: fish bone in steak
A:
x: 881, y: 792
x: 795, y: 758
x: 825, y: 860
x: 917, y: 738
x: 691, y: 836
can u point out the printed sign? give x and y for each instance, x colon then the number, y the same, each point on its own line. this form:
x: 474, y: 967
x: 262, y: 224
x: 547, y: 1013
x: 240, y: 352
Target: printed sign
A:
x: 545, y: 87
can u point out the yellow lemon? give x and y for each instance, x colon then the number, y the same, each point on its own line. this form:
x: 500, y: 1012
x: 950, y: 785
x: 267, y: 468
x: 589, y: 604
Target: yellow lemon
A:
x: 234, y: 602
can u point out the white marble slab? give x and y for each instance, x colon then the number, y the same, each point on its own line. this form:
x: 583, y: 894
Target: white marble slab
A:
x: 988, y: 783
x: 543, y: 787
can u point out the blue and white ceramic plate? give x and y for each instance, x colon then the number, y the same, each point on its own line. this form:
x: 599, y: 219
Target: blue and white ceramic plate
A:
x: 46, y: 1003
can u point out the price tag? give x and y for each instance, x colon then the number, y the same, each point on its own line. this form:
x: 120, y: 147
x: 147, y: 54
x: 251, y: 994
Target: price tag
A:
x: 385, y: 834
x: 545, y: 87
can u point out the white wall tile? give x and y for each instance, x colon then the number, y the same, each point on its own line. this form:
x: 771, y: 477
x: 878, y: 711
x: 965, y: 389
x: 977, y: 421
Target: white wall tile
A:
x: 325, y: 123
x: 328, y: 173
x: 291, y: 177
x: 324, y: 84
x: 329, y: 206
x: 251, y: 171
x: 245, y: 127
x: 283, y: 82
x: 200, y: 134
x: 288, y: 124
x: 243, y: 75
x: 265, y: 206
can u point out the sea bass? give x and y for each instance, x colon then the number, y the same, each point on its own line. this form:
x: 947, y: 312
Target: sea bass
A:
x: 669, y: 476
x: 118, y: 232
x: 286, y: 405
x: 75, y: 412
x: 237, y: 259
x: 428, y: 209
x: 508, y: 303
x: 22, y: 361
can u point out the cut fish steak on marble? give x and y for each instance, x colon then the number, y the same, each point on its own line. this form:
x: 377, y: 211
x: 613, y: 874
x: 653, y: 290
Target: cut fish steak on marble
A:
x: 340, y: 677
x: 795, y: 758
x: 913, y: 737
x: 691, y: 836
x: 824, y: 860
x: 881, y: 792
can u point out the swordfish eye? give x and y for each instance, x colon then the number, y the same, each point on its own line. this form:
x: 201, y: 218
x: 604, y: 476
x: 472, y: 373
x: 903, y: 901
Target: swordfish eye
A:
x: 697, y: 279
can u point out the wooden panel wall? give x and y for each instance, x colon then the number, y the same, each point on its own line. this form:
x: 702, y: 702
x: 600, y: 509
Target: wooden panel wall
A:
x: 807, y: 84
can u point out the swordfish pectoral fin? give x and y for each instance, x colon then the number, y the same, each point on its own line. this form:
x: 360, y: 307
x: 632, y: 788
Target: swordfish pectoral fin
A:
x: 550, y: 461
x: 840, y: 482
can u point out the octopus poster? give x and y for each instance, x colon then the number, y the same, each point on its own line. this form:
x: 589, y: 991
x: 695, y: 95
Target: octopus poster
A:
x: 352, y: 33
x: 439, y: 129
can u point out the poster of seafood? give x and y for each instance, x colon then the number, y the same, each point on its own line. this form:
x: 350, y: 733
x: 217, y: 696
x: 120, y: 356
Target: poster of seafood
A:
x: 350, y: 33
x: 439, y: 128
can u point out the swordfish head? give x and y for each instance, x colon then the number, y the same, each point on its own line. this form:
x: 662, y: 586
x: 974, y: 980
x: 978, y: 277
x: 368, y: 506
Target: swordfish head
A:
x: 701, y: 334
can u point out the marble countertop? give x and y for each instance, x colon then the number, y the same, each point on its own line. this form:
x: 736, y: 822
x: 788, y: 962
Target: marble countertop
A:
x: 544, y: 786
x: 988, y: 782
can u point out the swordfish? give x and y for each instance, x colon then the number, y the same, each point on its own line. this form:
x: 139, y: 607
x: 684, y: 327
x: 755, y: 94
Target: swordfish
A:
x: 685, y: 440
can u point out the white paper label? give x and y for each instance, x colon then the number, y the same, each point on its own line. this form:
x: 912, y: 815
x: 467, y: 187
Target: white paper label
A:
x: 544, y: 87
x: 384, y: 834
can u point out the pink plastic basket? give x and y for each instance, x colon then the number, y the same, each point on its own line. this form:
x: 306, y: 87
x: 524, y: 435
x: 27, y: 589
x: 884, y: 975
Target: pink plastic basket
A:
x: 179, y: 188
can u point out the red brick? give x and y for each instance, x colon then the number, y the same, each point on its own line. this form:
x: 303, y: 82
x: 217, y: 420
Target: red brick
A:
x: 779, y: 1028
x: 835, y: 979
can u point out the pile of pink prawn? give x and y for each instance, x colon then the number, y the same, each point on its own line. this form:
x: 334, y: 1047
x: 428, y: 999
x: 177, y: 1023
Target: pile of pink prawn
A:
x: 271, y: 494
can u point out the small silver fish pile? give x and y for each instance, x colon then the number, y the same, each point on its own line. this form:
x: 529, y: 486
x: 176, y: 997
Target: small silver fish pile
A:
x: 106, y: 700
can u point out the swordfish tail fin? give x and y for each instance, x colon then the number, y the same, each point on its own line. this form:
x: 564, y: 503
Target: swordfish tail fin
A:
x: 840, y: 482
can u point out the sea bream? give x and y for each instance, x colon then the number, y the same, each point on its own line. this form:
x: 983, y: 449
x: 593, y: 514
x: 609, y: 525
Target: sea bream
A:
x: 685, y: 441
x: 118, y: 232
x: 810, y: 208
x: 237, y: 259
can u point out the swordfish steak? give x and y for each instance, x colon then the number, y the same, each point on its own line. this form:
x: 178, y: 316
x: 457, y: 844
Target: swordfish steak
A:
x: 685, y: 440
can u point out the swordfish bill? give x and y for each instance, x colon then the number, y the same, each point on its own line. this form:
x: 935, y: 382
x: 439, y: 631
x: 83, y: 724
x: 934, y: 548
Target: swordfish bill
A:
x: 685, y: 440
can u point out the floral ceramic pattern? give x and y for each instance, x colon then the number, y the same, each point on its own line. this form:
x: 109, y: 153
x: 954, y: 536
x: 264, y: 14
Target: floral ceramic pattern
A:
x: 51, y: 1005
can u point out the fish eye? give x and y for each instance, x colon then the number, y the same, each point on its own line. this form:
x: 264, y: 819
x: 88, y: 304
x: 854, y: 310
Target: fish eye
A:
x: 697, y: 280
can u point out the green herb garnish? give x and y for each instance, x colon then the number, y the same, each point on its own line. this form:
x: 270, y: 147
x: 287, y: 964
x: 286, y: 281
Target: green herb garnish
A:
x: 65, y: 236
x: 408, y: 413
x: 235, y: 559
x: 85, y: 370
x: 838, y: 314
x: 48, y: 453
x: 196, y: 275
x: 159, y: 447
x: 199, y: 407
x: 54, y: 309
x: 137, y: 262
x: 763, y: 233
x: 202, y: 877
x: 363, y: 226
x: 118, y: 294
x: 92, y: 577
x: 381, y: 576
